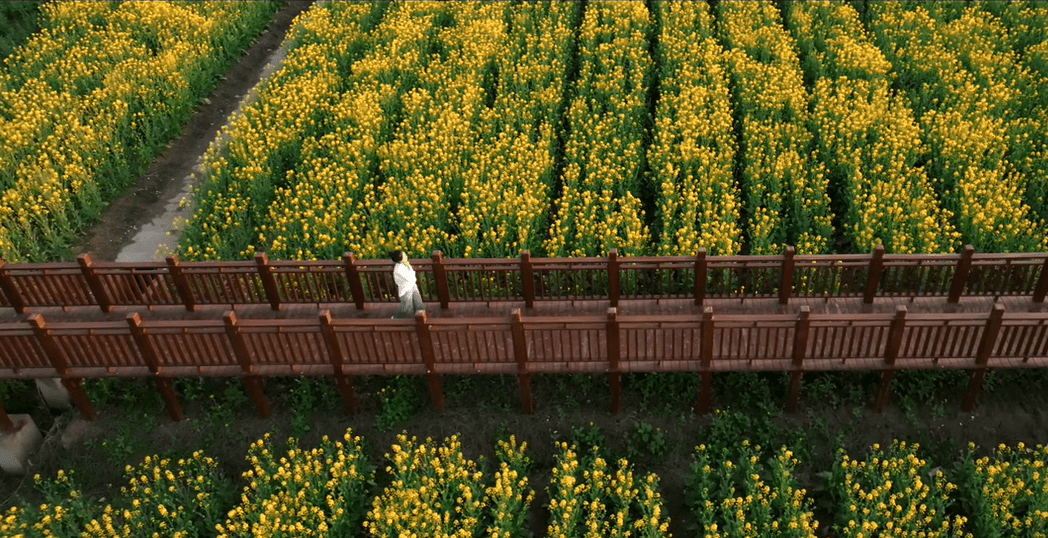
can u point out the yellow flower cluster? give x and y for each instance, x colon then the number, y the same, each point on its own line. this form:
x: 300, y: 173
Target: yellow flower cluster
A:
x: 63, y: 513
x: 509, y: 497
x: 592, y: 500
x: 437, y: 492
x: 971, y: 124
x: 769, y: 504
x: 317, y: 492
x: 599, y: 208
x: 1026, y: 23
x: 505, y: 197
x: 1008, y: 493
x: 784, y: 186
x: 868, y: 137
x: 416, y: 144
x: 888, y: 495
x: 88, y: 101
x: 253, y: 160
x: 423, y: 167
x: 693, y: 154
x: 319, y: 214
x: 169, y: 499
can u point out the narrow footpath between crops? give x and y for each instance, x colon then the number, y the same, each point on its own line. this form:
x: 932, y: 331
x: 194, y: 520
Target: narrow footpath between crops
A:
x: 142, y: 225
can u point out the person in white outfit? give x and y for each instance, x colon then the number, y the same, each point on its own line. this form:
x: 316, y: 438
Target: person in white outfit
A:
x: 407, y: 286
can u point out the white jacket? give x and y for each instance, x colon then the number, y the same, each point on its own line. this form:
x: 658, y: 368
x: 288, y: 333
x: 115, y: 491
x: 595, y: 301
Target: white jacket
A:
x: 404, y: 276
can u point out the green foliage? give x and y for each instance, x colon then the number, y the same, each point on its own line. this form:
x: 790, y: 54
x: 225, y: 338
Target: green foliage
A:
x: 587, y: 438
x: 125, y: 437
x: 663, y: 393
x: 645, y: 440
x: 926, y: 387
x: 18, y: 395
x: 19, y: 20
x: 399, y: 401
x: 303, y: 401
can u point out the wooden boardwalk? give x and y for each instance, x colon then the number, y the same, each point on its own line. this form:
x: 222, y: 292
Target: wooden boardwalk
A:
x: 582, y: 307
x: 606, y: 316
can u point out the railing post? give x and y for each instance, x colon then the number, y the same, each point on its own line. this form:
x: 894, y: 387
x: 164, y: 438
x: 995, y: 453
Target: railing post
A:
x: 7, y: 284
x: 786, y: 285
x: 342, y: 381
x: 960, y: 275
x: 700, y: 276
x: 252, y: 382
x: 163, y: 384
x: 702, y: 406
x: 425, y: 342
x: 356, y: 287
x: 989, y: 339
x: 520, y: 352
x: 1038, y: 293
x: 94, y: 283
x: 614, y: 355
x: 527, y: 279
x: 181, y: 283
x: 440, y: 278
x: 873, y: 279
x: 61, y: 365
x: 613, y: 277
x: 891, y: 351
x: 269, y: 282
x: 800, y: 346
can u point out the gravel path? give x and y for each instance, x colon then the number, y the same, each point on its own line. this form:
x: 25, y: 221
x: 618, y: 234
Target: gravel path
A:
x: 140, y: 226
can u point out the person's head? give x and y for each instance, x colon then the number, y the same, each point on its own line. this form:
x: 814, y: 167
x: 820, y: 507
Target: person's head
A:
x: 396, y: 256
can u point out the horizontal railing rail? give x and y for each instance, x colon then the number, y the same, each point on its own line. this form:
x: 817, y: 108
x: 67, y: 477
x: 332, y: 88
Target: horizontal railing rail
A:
x: 527, y: 279
x: 521, y: 345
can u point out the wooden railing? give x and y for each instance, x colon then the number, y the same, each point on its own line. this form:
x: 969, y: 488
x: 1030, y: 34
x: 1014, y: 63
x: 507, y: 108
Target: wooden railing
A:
x: 521, y: 345
x: 527, y: 279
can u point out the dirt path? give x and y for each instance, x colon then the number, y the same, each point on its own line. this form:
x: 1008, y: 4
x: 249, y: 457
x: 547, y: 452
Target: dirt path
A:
x: 139, y: 225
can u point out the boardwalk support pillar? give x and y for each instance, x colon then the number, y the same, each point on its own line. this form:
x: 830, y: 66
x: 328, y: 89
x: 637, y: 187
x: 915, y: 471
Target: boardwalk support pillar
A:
x: 891, y: 351
x: 520, y: 352
x: 252, y: 381
x: 982, y: 356
x: 342, y: 381
x: 800, y: 346
x: 614, y: 375
x: 163, y: 383
x: 425, y: 342
x: 702, y: 406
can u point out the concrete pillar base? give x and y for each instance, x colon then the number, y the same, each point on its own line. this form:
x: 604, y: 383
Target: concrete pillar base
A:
x: 16, y: 446
x: 54, y: 393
